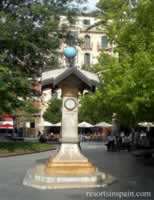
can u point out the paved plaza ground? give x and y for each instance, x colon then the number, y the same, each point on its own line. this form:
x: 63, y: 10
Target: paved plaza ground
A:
x: 131, y: 174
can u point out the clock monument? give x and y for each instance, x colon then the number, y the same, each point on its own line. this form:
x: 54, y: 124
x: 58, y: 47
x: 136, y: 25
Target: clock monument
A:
x: 68, y: 167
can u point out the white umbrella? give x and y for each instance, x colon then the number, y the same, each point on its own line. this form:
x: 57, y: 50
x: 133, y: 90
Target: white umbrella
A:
x: 57, y: 124
x: 45, y: 124
x: 85, y: 125
x: 103, y: 124
x: 146, y: 124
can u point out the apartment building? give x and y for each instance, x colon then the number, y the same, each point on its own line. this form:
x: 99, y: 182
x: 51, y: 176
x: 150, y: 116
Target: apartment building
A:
x: 91, y: 39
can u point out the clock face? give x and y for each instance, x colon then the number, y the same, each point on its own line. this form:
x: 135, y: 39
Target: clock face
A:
x: 70, y: 104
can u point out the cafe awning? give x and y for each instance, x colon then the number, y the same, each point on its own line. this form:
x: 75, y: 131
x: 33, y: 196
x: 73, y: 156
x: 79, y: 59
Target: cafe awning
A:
x: 103, y: 125
x: 85, y: 125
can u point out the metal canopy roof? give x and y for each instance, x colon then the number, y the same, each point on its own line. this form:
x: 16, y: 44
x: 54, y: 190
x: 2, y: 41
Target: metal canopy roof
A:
x: 55, y: 77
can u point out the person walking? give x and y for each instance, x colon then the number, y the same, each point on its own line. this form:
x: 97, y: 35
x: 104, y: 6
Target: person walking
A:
x: 111, y: 143
x: 127, y: 142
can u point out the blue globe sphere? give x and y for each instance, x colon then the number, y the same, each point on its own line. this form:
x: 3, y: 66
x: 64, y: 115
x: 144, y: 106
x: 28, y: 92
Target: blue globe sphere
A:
x: 70, y: 52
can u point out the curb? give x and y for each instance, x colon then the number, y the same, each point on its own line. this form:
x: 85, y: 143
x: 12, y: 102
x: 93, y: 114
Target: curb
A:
x: 26, y: 153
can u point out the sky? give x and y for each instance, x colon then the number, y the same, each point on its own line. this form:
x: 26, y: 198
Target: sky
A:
x: 91, y: 4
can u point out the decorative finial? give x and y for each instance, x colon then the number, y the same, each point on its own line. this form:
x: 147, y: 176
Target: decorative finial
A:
x: 70, y: 53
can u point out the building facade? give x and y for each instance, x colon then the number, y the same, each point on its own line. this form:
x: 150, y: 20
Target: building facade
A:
x: 91, y: 41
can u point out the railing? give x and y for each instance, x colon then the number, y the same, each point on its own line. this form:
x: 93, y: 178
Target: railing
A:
x: 87, y: 47
x: 108, y: 48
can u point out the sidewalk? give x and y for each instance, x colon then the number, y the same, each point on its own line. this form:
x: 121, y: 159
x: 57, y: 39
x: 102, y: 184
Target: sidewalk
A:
x: 131, y: 175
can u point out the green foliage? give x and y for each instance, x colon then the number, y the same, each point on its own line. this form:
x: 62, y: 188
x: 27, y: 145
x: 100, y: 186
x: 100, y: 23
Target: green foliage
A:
x: 53, y: 113
x: 14, y: 88
x: 116, y: 14
x: 29, y: 35
x: 129, y: 79
x: 29, y: 39
x: 99, y: 106
x: 22, y: 147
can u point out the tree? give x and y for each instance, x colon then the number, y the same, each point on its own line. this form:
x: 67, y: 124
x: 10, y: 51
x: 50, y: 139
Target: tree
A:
x: 53, y: 113
x: 128, y: 79
x: 14, y: 89
x: 29, y: 39
x: 29, y: 35
x: 115, y: 14
x: 100, y: 106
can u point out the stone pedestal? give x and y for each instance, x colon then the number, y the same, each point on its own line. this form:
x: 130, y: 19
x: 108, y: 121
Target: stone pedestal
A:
x: 37, y: 178
x: 69, y: 160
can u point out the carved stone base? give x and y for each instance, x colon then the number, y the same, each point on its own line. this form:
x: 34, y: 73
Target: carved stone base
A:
x: 67, y: 168
x: 37, y: 178
x: 69, y: 161
x: 64, y: 168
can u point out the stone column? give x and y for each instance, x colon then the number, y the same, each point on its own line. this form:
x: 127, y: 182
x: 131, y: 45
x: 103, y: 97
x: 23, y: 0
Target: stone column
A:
x: 69, y: 116
x: 69, y: 160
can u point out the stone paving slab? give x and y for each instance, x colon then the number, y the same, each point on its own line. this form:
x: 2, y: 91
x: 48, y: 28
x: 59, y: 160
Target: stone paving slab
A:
x: 131, y: 174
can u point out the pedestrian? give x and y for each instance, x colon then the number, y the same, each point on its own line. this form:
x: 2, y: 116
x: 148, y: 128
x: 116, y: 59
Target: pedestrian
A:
x: 118, y: 143
x: 111, y: 143
x: 127, y: 142
x: 39, y: 134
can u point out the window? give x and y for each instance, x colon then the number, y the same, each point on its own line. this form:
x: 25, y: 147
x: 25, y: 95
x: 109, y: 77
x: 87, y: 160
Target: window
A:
x: 86, y: 59
x: 32, y: 125
x: 87, y: 42
x: 104, y: 42
x: 86, y: 22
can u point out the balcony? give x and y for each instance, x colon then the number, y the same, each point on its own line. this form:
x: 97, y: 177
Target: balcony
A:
x: 86, y: 47
x: 105, y: 48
